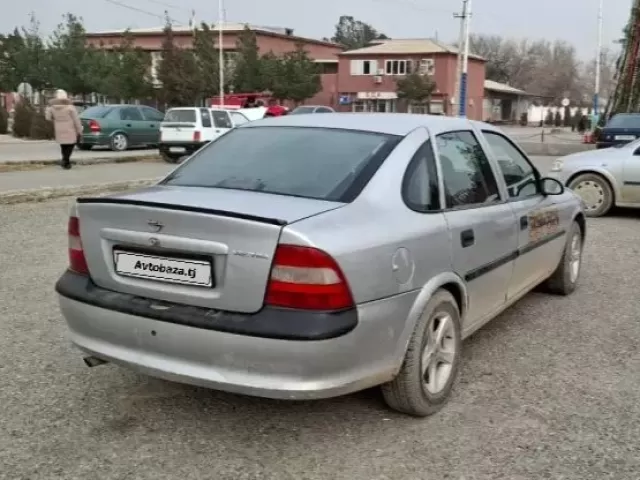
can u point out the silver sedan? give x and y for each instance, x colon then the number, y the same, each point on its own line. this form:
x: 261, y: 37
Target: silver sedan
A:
x: 310, y: 256
x: 602, y: 178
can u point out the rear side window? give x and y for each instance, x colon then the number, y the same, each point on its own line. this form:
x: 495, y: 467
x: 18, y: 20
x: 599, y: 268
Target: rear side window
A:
x: 206, y: 118
x: 326, y: 164
x: 181, y: 115
x: 221, y: 119
x: 96, y: 112
x: 420, y: 183
x: 152, y: 114
x: 301, y: 110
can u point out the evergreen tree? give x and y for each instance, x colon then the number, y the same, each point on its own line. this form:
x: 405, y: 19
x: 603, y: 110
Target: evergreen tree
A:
x: 247, y: 72
x: 301, y: 74
x: 416, y: 88
x: 73, y: 64
x: 177, y: 72
x: 207, y: 61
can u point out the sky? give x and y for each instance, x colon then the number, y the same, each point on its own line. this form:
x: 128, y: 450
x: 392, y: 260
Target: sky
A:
x: 571, y: 20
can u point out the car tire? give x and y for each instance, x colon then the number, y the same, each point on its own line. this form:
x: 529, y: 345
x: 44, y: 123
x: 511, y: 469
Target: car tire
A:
x: 119, y: 142
x: 565, y: 278
x: 409, y: 392
x: 167, y: 157
x: 84, y: 146
x: 597, y: 186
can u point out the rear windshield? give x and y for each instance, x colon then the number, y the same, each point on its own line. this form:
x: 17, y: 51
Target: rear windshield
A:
x: 299, y: 110
x: 185, y: 115
x: 624, y: 121
x: 326, y: 164
x: 96, y: 112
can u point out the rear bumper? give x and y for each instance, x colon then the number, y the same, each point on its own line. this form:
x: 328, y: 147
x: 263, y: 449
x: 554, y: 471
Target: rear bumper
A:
x: 96, y: 140
x: 185, y: 148
x: 356, y: 350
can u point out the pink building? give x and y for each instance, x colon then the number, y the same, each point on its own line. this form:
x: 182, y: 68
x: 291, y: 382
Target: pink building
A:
x: 367, y: 76
x: 269, y: 39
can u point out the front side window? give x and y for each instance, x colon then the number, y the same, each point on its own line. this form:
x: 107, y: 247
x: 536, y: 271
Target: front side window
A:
x: 519, y: 175
x: 466, y: 171
x: 326, y: 164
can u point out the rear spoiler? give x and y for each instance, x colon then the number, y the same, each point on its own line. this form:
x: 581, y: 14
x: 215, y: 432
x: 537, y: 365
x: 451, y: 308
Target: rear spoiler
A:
x: 182, y: 208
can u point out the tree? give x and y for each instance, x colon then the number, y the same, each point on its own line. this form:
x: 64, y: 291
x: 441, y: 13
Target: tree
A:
x: 23, y: 117
x: 354, y: 33
x: 72, y: 61
x: 13, y: 65
x: 177, y: 72
x: 294, y: 76
x: 129, y: 78
x: 207, y: 61
x: 247, y: 72
x: 416, y: 88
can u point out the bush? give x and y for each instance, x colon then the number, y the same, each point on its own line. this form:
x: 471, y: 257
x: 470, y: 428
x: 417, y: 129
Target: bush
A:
x: 41, y: 128
x: 4, y: 121
x: 549, y: 118
x: 22, y: 119
x: 524, y: 119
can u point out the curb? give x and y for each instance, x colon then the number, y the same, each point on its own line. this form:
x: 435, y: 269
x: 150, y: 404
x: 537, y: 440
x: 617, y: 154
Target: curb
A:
x: 35, y: 195
x: 86, y: 161
x: 553, y: 149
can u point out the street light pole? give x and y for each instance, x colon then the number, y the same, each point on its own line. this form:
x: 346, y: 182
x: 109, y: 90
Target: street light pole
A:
x: 466, y: 13
x: 221, y: 49
x: 456, y: 89
x: 596, y: 96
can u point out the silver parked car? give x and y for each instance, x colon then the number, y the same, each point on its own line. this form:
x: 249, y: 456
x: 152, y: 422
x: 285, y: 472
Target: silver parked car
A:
x: 310, y: 256
x: 311, y: 109
x: 603, y: 178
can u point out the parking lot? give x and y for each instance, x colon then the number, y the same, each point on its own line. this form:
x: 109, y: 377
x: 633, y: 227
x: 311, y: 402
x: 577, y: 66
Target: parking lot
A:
x: 550, y: 389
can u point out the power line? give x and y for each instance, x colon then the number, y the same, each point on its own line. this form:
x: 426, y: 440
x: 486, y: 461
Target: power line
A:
x: 140, y: 10
x: 169, y: 5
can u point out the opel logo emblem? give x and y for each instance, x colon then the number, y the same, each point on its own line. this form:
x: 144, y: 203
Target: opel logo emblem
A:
x: 154, y: 241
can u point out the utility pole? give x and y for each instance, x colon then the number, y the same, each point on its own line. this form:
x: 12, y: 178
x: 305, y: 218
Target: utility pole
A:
x: 221, y: 50
x: 456, y: 90
x: 465, y: 59
x: 596, y: 95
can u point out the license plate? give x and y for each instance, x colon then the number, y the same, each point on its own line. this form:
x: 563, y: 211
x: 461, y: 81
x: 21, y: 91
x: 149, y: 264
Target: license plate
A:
x: 164, y: 269
x: 176, y: 149
x: 625, y: 137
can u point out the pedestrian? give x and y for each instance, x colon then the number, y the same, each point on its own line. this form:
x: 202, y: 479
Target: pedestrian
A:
x: 66, y: 125
x: 582, y: 124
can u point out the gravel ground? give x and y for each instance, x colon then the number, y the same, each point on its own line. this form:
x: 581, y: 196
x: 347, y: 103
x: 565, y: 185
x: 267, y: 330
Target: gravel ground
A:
x: 548, y: 390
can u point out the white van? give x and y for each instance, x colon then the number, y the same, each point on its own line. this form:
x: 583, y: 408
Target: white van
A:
x: 185, y: 130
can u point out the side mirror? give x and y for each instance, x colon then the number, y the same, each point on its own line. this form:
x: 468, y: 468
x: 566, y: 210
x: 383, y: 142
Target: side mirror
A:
x: 551, y: 186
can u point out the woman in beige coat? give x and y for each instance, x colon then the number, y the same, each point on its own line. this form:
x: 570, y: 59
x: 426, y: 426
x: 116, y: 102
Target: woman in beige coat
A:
x: 66, y: 124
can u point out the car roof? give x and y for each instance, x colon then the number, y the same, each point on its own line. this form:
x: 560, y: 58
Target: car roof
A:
x: 388, y: 123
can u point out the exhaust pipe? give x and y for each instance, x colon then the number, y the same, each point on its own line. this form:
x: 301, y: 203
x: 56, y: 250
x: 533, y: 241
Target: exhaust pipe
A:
x: 92, y: 361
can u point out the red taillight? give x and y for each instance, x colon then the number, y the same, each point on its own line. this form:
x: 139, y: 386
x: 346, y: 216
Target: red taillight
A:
x: 307, y: 278
x: 94, y: 126
x: 196, y: 136
x: 77, y: 261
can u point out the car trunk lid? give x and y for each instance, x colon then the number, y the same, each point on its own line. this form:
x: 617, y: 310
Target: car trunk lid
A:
x: 215, y: 245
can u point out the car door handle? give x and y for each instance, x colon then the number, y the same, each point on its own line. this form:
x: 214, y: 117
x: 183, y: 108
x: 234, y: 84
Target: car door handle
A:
x: 524, y: 223
x: 467, y: 238
x: 128, y: 125
x: 152, y: 125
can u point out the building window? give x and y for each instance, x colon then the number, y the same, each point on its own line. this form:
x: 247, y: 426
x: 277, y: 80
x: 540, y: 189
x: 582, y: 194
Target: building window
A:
x: 364, y: 67
x: 427, y: 66
x: 398, y: 67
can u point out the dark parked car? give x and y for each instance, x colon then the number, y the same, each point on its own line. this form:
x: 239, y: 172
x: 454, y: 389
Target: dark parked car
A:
x: 619, y: 130
x: 120, y: 127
